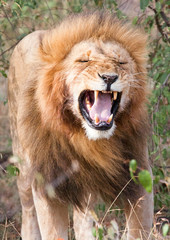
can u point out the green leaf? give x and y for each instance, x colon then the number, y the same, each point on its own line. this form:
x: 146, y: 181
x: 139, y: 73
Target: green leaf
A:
x: 96, y: 2
x: 132, y: 169
x: 145, y: 180
x: 133, y: 165
x: 144, y: 4
x: 163, y: 77
x: 135, y: 19
x: 155, y: 139
x: 20, y: 37
x: 102, y: 207
x: 94, y: 232
x: 100, y: 232
x: 157, y: 179
x: 158, y: 6
x: 12, y: 170
x: 99, y: 3
x: 165, y: 229
x: 157, y: 158
x: 3, y: 73
x: 5, y: 102
x: 164, y: 153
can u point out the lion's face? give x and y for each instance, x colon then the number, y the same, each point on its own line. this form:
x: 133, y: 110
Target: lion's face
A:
x: 99, y: 78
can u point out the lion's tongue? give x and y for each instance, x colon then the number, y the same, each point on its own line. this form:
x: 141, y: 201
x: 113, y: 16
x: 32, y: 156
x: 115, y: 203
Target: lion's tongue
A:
x: 101, y: 107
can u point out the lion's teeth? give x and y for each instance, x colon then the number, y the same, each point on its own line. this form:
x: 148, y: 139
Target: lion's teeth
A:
x: 115, y: 95
x: 88, y: 107
x: 96, y: 93
x: 97, y: 120
x: 110, y: 118
x: 87, y: 101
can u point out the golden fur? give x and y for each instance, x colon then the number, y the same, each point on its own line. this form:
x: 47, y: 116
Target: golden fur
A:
x: 46, y: 122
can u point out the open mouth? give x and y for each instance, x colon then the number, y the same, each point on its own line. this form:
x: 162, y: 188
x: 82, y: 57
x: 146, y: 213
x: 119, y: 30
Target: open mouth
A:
x: 99, y: 108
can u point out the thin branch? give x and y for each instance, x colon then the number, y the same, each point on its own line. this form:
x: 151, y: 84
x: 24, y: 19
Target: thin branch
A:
x: 3, y: 9
x: 159, y: 27
x: 164, y: 167
x: 108, y: 210
x: 124, y: 3
x: 12, y: 224
x: 9, y: 48
x: 165, y: 18
x: 6, y: 15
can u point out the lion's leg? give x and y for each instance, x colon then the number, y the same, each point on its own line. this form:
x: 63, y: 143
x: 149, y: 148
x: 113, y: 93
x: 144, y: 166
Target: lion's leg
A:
x: 139, y: 216
x: 52, y: 218
x: 83, y: 224
x: 30, y: 228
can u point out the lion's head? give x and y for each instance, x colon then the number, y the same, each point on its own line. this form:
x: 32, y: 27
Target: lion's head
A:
x: 95, y: 71
x: 99, y: 81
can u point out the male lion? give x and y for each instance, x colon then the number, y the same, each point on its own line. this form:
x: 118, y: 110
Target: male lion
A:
x: 77, y: 98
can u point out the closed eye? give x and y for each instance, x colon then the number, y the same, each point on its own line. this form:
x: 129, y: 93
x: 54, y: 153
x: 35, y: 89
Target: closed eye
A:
x: 119, y: 62
x: 83, y: 61
x: 122, y: 63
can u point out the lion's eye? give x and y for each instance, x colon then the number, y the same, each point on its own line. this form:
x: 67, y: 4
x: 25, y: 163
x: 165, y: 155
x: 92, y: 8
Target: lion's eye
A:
x: 122, y: 63
x: 82, y: 61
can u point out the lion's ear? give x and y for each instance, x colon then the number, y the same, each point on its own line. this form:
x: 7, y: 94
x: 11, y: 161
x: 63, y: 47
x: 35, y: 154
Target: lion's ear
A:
x: 50, y: 96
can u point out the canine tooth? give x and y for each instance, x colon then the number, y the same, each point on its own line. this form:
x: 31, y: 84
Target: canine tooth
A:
x: 96, y: 119
x: 88, y: 107
x: 87, y: 101
x: 110, y: 118
x: 115, y: 95
x: 96, y: 93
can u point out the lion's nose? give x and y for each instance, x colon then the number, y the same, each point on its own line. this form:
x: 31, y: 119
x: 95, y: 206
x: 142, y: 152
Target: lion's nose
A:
x: 109, y: 79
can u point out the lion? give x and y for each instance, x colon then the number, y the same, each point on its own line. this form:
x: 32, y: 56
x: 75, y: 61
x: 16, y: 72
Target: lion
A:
x: 77, y: 107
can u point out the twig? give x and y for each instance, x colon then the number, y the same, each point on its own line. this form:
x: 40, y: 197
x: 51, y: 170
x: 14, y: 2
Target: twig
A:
x: 134, y: 212
x: 3, y: 9
x: 12, y: 224
x: 6, y: 15
x: 164, y: 167
x: 3, y: 169
x: 159, y: 27
x: 115, y: 200
x: 163, y: 15
x: 125, y: 2
x: 84, y: 217
x: 10, y: 48
x: 165, y: 18
x: 4, y: 233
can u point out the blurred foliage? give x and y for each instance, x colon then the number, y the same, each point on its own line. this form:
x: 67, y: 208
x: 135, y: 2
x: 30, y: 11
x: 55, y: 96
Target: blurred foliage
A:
x: 12, y: 170
x: 143, y: 177
x: 20, y: 17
